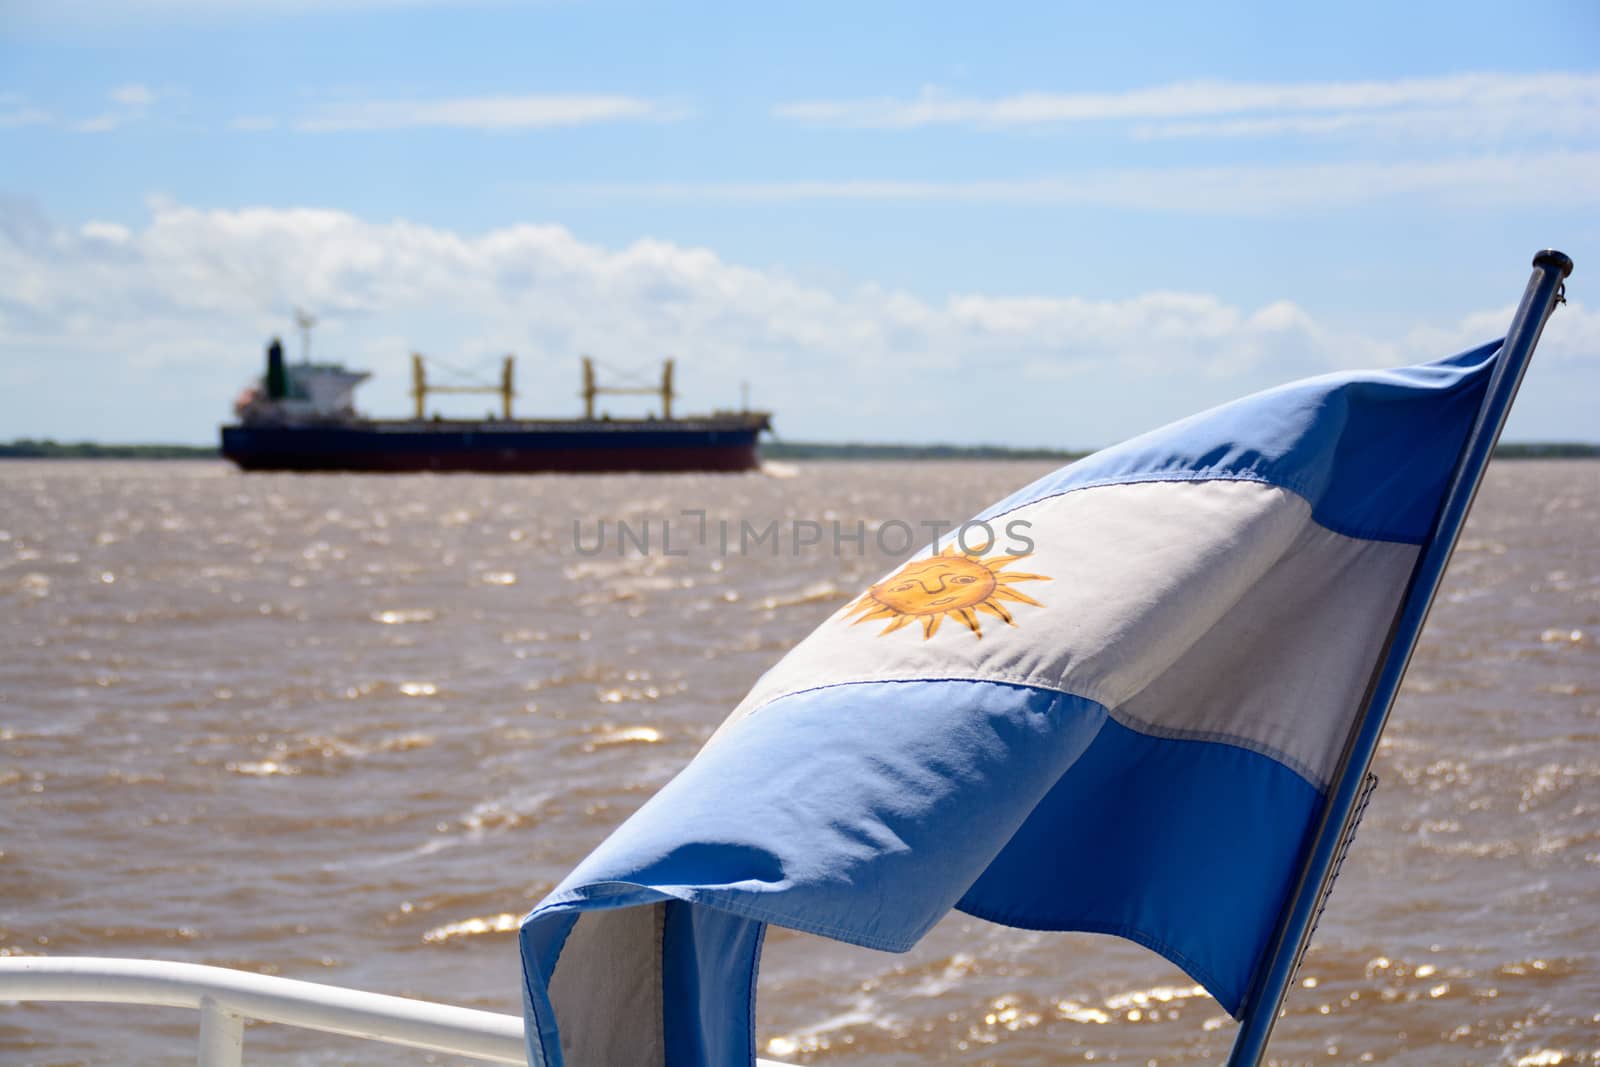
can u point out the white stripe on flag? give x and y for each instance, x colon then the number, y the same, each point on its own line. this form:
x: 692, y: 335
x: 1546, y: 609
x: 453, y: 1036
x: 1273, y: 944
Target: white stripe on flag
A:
x: 1267, y: 626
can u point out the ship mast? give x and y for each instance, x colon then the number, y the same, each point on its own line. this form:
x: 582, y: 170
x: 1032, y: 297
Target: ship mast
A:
x: 304, y: 320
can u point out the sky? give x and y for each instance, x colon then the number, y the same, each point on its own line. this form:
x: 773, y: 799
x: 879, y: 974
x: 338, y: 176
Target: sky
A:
x: 1050, y: 225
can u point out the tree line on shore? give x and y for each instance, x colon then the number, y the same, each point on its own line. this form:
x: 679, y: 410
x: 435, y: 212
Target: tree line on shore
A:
x: 30, y: 448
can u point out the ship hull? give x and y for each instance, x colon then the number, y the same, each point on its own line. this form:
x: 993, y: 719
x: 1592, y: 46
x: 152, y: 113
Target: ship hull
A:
x: 588, y: 447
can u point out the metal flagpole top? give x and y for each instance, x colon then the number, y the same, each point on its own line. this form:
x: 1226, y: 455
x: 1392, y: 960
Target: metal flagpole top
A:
x: 1551, y: 258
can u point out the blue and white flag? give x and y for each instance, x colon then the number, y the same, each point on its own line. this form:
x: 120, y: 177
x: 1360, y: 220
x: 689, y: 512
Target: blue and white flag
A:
x: 1128, y: 728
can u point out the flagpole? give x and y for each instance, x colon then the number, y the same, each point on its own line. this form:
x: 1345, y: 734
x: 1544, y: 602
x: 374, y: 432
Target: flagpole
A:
x: 1347, y: 798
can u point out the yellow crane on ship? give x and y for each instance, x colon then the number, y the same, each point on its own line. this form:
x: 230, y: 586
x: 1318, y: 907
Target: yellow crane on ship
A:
x: 506, y: 389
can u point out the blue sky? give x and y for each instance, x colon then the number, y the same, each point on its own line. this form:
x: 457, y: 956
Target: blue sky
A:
x: 1056, y: 225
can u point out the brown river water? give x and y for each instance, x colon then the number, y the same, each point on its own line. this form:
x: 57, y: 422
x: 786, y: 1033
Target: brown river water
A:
x: 348, y: 729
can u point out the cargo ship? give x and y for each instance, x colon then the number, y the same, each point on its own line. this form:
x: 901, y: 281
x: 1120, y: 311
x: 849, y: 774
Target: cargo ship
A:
x: 302, y: 417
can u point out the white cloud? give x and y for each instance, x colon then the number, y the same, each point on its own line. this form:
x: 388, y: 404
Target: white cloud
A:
x: 1484, y: 124
x: 1243, y: 189
x: 1452, y: 105
x: 129, y: 103
x: 159, y: 326
x: 102, y: 123
x: 24, y: 116
x: 488, y: 113
x: 134, y: 97
x: 101, y: 13
x: 16, y: 111
x: 112, y: 232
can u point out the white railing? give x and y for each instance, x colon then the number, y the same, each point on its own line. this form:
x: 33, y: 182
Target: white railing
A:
x: 226, y: 998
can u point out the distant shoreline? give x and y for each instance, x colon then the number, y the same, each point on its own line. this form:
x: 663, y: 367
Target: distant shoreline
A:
x: 30, y: 448
x: 27, y: 448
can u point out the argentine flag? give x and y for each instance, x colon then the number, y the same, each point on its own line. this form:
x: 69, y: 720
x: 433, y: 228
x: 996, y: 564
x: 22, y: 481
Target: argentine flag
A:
x: 1130, y: 728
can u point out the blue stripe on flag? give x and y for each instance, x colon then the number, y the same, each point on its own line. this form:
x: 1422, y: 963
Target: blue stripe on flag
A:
x: 1186, y: 847
x: 540, y: 944
x: 752, y: 829
x: 708, y: 994
x: 1370, y: 451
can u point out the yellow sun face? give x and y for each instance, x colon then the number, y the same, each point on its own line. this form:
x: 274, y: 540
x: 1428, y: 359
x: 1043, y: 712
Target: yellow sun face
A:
x: 956, y: 584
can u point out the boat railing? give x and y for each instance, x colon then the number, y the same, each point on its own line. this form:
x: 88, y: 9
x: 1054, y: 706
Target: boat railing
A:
x: 226, y: 998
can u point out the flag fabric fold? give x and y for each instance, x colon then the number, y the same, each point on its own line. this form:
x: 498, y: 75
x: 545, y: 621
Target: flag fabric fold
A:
x: 1120, y: 715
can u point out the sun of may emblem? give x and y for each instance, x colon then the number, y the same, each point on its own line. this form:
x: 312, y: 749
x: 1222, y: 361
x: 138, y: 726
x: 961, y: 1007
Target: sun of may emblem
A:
x: 953, y: 583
